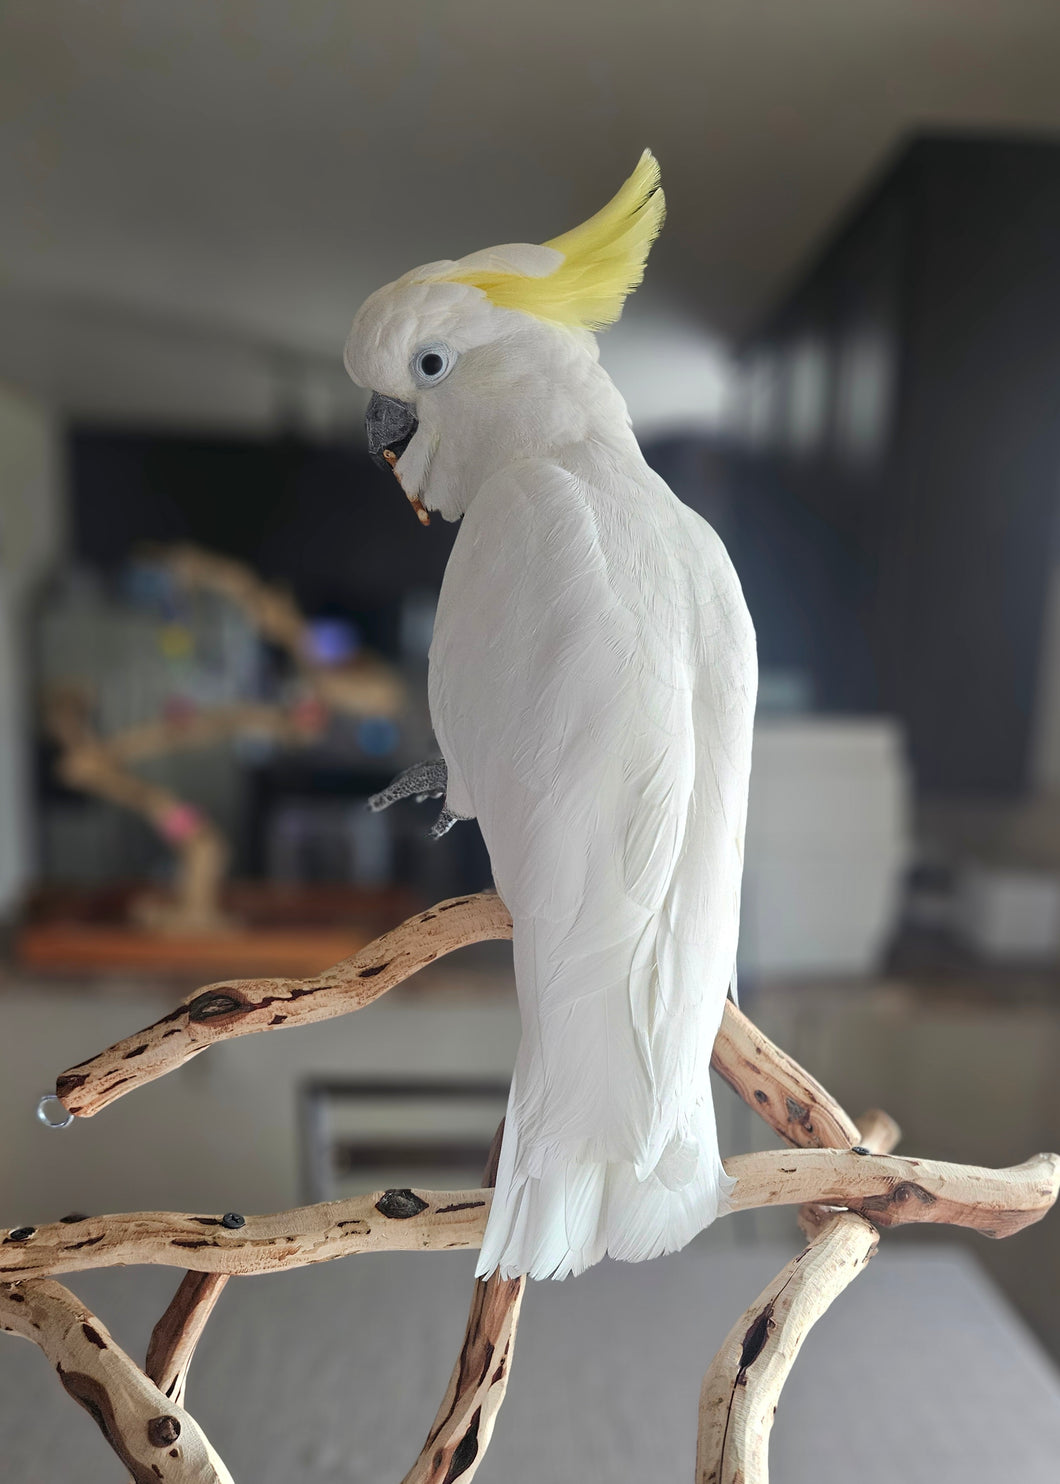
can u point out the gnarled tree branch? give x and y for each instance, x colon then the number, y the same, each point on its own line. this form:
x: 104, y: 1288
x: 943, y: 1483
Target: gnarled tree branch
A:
x: 175, y: 1336
x: 858, y: 1176
x: 890, y: 1191
x: 154, y: 1438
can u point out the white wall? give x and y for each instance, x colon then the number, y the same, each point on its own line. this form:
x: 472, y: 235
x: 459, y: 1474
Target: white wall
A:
x: 30, y: 533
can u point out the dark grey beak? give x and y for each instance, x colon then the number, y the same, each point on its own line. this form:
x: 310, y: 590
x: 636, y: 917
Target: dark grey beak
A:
x: 390, y: 426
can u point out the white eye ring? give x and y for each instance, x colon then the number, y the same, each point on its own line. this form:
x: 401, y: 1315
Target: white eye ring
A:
x: 432, y: 363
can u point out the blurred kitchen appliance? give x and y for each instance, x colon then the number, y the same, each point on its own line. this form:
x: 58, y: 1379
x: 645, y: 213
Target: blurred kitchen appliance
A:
x: 828, y: 841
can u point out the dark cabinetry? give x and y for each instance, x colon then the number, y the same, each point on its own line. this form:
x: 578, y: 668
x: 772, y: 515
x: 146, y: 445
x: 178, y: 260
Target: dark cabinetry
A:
x: 903, y: 405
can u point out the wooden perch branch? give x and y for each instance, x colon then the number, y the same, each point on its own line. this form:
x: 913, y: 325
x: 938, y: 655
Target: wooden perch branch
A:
x: 240, y: 1007
x: 175, y: 1336
x: 460, y: 1434
x: 889, y: 1190
x: 777, y: 1088
x: 742, y: 1386
x: 744, y: 1381
x: 879, y: 1134
x: 154, y: 1438
x: 792, y: 1102
x: 841, y: 1174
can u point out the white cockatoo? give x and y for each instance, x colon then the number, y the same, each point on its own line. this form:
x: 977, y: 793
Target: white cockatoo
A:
x: 592, y: 686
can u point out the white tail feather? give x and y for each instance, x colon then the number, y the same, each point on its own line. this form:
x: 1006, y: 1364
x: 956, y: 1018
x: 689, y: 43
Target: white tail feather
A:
x: 561, y: 1222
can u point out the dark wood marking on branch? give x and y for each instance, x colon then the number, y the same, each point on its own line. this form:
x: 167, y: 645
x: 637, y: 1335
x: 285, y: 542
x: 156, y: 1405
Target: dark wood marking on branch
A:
x: 460, y: 1206
x: 466, y: 1451
x: 754, y: 1341
x: 74, y: 1216
x: 94, y: 1337
x: 76, y: 1246
x: 136, y: 1051
x: 399, y: 1205
x: 278, y: 1020
x: 375, y: 969
x: 880, y: 1206
x: 448, y: 906
x: 798, y: 1113
x: 90, y: 1394
x: 69, y: 1082
x: 213, y: 1004
x: 760, y: 1096
x: 163, y: 1431
x: 190, y: 1242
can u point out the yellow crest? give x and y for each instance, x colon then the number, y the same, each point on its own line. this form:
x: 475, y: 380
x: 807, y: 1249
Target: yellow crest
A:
x: 603, y: 260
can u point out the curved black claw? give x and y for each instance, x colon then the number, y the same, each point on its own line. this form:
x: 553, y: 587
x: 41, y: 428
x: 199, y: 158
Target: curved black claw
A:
x: 426, y: 780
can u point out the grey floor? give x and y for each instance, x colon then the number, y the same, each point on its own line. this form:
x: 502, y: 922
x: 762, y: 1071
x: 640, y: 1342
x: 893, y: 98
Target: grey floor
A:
x: 331, y: 1375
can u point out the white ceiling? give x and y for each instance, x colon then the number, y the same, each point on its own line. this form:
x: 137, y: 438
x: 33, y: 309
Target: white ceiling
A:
x: 195, y: 196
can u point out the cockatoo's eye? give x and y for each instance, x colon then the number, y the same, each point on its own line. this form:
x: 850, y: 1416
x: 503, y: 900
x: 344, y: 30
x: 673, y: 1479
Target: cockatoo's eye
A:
x: 432, y: 363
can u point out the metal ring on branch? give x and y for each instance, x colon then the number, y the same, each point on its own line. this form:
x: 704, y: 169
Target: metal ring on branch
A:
x: 52, y: 1112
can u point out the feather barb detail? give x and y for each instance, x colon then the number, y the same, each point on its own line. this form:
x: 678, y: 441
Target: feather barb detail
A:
x: 603, y: 260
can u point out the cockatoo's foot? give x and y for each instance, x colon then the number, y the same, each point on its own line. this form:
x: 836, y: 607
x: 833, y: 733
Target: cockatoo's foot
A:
x: 443, y: 824
x: 426, y: 780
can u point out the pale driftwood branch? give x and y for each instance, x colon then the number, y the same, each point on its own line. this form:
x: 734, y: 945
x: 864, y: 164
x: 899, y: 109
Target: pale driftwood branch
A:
x: 175, y: 1336
x: 893, y: 1191
x: 878, y: 1133
x: 241, y: 1007
x: 889, y: 1190
x: 386, y: 1221
x: 792, y: 1102
x: 460, y: 1434
x: 776, y: 1087
x: 743, y: 1383
x: 838, y: 1188
x: 154, y: 1438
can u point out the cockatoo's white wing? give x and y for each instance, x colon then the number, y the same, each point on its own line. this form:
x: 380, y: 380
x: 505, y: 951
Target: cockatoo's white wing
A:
x: 592, y: 687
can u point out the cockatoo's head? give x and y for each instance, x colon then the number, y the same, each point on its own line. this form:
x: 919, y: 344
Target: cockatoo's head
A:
x: 477, y: 363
